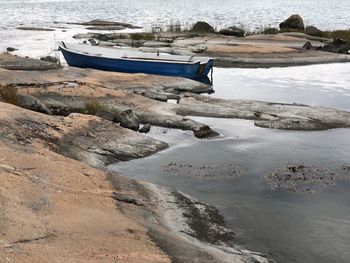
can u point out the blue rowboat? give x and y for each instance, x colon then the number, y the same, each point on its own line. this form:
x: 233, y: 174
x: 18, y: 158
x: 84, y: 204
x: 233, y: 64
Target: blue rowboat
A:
x: 131, y: 61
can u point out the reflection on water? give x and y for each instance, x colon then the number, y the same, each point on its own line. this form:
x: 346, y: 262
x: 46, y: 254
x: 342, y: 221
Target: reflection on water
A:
x: 293, y: 227
x: 320, y: 85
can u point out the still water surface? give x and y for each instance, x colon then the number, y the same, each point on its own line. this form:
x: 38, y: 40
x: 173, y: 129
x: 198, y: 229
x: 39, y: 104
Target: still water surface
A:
x: 292, y: 227
x: 55, y: 14
x: 326, y: 14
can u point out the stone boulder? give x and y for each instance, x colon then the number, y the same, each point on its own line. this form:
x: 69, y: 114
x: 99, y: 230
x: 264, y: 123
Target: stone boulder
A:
x: 125, y: 118
x: 31, y: 103
x: 202, y: 27
x: 128, y: 119
x: 293, y: 23
x: 205, y: 132
x: 50, y: 59
x: 313, y: 31
x: 232, y: 31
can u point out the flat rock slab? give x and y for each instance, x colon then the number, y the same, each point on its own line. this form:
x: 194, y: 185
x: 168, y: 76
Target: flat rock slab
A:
x: 279, y: 59
x: 99, y: 24
x: 83, y: 137
x: 11, y: 62
x: 265, y: 114
x: 35, y: 28
x: 53, y: 207
x: 69, y: 89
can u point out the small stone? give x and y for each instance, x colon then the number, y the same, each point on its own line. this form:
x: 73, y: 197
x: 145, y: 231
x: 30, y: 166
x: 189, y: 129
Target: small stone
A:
x: 346, y: 168
x: 307, y: 45
x: 50, y: 59
x: 93, y: 42
x: 11, y: 49
x: 145, y: 128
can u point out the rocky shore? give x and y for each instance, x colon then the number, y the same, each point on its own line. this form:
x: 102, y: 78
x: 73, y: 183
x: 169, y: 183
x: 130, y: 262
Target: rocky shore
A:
x: 54, y: 200
x: 283, y: 49
x: 60, y: 127
x: 291, y: 45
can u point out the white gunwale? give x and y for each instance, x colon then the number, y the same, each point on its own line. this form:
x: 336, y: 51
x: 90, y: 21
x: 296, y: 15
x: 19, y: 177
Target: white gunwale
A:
x: 128, y: 54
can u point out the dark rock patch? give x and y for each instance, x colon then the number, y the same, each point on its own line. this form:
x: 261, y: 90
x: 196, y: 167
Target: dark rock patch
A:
x: 205, y: 221
x: 337, y: 46
x: 35, y: 28
x: 98, y: 23
x: 232, y: 31
x: 126, y: 199
x: 298, y: 177
x: 11, y: 49
x: 204, y: 172
x: 313, y: 31
x: 105, y: 28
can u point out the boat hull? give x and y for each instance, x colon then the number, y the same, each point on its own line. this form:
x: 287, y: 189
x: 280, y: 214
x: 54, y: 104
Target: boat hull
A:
x: 190, y: 70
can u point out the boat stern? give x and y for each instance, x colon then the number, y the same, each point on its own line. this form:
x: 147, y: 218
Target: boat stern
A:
x: 204, y: 67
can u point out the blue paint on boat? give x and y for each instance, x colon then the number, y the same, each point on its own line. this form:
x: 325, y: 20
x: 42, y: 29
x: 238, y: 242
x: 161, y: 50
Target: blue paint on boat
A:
x: 84, y: 56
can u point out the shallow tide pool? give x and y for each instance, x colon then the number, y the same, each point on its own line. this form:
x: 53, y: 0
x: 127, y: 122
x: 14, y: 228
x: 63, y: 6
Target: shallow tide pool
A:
x: 291, y: 227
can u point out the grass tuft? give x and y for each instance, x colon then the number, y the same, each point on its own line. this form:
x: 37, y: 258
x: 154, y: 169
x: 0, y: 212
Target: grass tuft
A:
x: 92, y: 107
x: 142, y: 36
x: 9, y: 94
x: 343, y: 34
x: 269, y: 31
